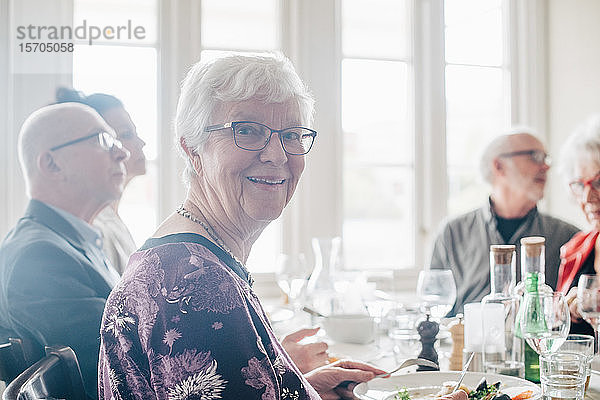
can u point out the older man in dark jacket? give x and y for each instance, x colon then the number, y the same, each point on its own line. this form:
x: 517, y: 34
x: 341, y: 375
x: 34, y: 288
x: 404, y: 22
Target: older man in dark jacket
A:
x: 54, y: 278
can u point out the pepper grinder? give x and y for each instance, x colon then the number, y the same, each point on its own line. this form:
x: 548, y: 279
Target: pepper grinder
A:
x: 427, y: 331
x: 457, y: 331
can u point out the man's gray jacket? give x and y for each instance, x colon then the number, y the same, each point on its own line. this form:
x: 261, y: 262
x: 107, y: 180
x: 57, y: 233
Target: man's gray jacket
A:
x: 463, y: 245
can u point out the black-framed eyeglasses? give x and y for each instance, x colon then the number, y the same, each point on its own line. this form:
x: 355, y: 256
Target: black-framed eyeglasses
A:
x: 254, y: 136
x: 537, y: 156
x: 105, y: 139
x: 577, y: 187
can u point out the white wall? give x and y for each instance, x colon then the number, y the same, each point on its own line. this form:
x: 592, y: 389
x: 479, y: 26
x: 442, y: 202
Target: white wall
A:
x: 573, y: 84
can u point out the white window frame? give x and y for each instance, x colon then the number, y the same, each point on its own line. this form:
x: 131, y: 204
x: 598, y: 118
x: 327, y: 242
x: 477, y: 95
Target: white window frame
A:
x: 311, y: 38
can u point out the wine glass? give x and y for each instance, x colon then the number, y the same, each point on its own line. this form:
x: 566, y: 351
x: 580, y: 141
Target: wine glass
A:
x: 588, y: 300
x: 545, y: 321
x: 437, y: 292
x: 292, y: 275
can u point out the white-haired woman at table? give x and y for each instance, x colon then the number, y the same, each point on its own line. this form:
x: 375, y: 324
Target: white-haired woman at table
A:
x: 580, y: 164
x: 184, y: 321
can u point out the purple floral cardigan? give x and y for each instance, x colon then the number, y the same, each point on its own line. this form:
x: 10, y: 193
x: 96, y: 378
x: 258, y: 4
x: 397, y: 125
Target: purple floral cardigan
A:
x: 182, y: 324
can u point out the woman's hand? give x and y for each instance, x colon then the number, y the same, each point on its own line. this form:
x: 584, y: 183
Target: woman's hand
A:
x: 572, y: 302
x: 327, y: 380
x: 306, y: 356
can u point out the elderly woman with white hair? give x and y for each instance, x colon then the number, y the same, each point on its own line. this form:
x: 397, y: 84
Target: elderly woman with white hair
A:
x: 184, y: 321
x: 580, y: 164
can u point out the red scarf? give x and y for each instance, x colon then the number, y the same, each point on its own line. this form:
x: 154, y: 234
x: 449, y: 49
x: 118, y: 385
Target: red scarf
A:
x: 572, y: 255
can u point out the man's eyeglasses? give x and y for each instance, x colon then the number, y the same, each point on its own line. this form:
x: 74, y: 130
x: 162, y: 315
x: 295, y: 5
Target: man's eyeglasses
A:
x: 254, y: 136
x: 537, y: 156
x: 577, y: 187
x: 105, y: 139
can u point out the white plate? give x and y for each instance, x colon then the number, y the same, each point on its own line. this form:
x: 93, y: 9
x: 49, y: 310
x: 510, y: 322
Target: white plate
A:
x: 431, y: 382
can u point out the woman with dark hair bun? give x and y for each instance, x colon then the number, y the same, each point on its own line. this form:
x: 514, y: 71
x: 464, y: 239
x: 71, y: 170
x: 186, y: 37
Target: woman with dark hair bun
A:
x: 118, y: 243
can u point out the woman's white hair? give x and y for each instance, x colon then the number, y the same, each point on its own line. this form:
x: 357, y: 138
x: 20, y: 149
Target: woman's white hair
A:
x: 268, y: 77
x: 582, y: 144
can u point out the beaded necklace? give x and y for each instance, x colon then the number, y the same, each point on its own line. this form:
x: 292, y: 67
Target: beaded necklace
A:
x: 213, y: 235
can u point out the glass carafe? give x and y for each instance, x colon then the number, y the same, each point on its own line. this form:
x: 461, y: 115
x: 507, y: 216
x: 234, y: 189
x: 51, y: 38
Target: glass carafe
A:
x: 320, y: 291
x: 502, y: 350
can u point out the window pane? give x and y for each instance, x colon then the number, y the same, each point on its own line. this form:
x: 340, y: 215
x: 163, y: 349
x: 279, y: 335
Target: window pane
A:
x: 467, y: 189
x: 477, y: 110
x: 375, y: 112
x: 474, y: 32
x: 240, y: 24
x: 133, y: 79
x: 138, y: 206
x: 378, y: 217
x: 263, y: 257
x: 375, y: 28
x: 457, y: 11
x: 119, y: 13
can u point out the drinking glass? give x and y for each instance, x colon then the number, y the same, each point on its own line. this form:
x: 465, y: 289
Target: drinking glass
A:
x: 403, y: 322
x: 588, y: 300
x: 562, y: 375
x: 292, y: 276
x: 436, y: 291
x: 581, y: 344
x: 545, y: 321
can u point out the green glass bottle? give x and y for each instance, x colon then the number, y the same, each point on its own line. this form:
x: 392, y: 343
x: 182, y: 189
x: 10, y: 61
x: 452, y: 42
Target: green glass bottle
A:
x: 532, y: 364
x: 533, y: 273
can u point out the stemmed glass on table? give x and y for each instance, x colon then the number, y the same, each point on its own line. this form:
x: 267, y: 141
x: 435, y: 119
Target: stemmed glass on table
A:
x: 437, y: 292
x: 588, y: 300
x: 292, y: 276
x: 545, y: 321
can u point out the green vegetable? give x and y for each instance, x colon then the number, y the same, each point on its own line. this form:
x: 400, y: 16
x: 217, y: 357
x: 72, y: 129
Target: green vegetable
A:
x: 484, y: 391
x: 402, y: 394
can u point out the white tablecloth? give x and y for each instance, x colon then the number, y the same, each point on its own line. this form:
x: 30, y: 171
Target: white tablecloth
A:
x: 380, y: 353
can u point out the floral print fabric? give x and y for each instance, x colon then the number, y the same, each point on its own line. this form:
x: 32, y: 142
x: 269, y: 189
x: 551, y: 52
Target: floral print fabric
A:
x: 182, y: 325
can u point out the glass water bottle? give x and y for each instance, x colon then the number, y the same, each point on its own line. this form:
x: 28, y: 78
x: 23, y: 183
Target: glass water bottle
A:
x: 502, y: 350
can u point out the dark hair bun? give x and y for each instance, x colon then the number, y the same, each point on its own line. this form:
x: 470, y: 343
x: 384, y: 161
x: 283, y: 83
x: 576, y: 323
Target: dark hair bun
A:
x: 65, y: 95
x: 98, y: 101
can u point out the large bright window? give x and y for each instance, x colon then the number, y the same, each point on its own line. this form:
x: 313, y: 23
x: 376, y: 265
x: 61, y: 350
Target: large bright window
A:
x: 477, y: 93
x: 378, y: 167
x: 389, y: 55
x: 127, y: 69
x: 380, y: 41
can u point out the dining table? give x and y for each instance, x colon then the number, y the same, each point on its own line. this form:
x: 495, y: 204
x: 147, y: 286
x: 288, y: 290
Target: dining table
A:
x: 379, y: 352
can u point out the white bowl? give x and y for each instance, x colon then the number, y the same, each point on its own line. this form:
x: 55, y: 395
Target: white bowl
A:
x: 350, y: 328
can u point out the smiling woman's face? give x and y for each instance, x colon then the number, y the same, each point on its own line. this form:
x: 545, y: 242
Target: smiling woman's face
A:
x: 250, y: 184
x: 589, y: 201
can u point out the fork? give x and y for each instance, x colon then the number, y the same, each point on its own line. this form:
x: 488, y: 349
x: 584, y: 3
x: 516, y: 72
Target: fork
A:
x: 408, y: 363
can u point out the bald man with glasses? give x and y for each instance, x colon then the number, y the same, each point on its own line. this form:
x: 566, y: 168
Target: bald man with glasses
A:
x: 54, y: 277
x: 515, y: 165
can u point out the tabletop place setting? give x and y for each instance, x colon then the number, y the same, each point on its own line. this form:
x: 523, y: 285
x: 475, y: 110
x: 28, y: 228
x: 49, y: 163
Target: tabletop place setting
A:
x: 515, y: 341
